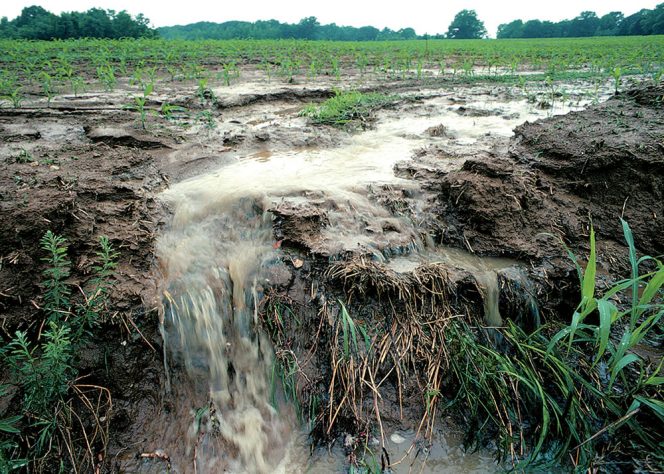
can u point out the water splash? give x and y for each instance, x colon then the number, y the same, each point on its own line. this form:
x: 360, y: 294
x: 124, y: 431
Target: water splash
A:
x: 213, y: 267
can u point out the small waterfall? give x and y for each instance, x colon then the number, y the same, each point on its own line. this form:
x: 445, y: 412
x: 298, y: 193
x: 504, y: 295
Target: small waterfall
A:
x: 214, y: 268
x: 213, y: 257
x: 488, y: 281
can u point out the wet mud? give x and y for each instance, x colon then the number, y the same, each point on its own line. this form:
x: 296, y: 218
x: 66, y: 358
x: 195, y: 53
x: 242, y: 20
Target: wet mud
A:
x: 456, y: 215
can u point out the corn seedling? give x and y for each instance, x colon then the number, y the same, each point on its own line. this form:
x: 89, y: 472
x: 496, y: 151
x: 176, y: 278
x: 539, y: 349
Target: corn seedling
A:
x: 106, y: 75
x: 139, y: 104
x: 616, y: 74
x: 266, y: 67
x: 170, y: 111
x: 230, y: 71
x: 207, y: 119
x: 15, y: 97
x: 46, y: 82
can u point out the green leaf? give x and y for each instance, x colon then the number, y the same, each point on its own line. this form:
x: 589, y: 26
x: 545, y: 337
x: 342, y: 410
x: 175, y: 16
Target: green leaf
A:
x: 606, y: 312
x: 629, y: 238
x: 652, y: 288
x: 7, y: 424
x: 655, y: 381
x: 622, y: 363
x: 655, y: 405
x: 642, y: 330
x: 588, y: 286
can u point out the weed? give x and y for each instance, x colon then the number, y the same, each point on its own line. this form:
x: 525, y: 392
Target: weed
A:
x: 56, y: 291
x: 347, y: 107
x: 44, y: 370
x: 24, y: 156
x: 9, y: 428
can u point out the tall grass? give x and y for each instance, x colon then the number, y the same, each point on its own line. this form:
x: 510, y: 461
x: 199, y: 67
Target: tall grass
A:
x: 580, y: 393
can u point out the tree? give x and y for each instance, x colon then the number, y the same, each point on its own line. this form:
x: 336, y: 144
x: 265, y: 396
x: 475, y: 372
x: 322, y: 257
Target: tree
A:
x: 609, y: 24
x: 532, y: 29
x: 653, y: 23
x: 306, y: 28
x: 466, y: 25
x: 634, y: 24
x: 510, y: 30
x: 407, y: 33
x: 586, y: 24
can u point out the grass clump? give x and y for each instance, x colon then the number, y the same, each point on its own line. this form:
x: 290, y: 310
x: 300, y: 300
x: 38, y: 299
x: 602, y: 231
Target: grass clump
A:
x: 579, y: 392
x: 348, y: 106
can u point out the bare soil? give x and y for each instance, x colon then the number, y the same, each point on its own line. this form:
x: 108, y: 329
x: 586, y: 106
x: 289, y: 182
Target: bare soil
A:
x: 86, y: 169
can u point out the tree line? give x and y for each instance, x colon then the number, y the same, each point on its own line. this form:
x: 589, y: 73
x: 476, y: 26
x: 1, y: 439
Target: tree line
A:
x: 36, y: 23
x: 644, y: 22
x: 308, y: 28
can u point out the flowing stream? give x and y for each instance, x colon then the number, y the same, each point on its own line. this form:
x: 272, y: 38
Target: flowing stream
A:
x: 214, y: 256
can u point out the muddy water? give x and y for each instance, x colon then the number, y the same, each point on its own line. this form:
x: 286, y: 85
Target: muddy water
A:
x: 215, y: 255
x: 483, y: 269
x: 444, y: 454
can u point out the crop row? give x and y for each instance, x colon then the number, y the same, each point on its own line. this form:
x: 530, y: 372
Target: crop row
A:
x: 24, y: 64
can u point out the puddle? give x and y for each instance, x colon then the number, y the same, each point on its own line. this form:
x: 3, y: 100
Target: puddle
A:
x: 443, y: 455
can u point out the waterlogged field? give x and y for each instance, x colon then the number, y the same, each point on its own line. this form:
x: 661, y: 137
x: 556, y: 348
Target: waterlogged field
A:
x: 48, y: 67
x: 286, y: 256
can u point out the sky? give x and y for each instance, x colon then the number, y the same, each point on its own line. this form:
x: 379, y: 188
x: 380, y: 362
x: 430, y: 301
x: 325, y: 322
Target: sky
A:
x: 425, y: 16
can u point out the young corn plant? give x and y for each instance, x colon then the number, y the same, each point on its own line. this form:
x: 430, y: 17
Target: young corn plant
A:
x: 139, y: 105
x: 230, y: 71
x: 616, y: 74
x: 266, y: 67
x: 46, y: 82
x: 15, y: 97
x: 106, y: 75
x: 171, y: 112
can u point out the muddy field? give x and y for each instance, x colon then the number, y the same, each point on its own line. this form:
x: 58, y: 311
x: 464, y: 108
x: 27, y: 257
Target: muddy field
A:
x: 242, y: 225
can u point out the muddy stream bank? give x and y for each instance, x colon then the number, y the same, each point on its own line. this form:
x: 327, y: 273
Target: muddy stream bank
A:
x: 282, y: 282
